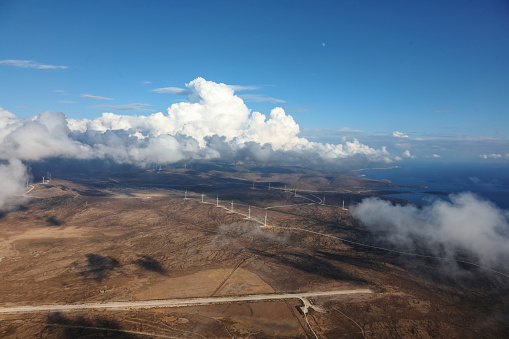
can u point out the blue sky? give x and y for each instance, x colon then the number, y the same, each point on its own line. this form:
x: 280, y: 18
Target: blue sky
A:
x: 433, y: 70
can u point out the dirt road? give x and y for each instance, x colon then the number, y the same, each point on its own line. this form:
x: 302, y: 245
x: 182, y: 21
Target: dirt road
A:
x: 175, y: 302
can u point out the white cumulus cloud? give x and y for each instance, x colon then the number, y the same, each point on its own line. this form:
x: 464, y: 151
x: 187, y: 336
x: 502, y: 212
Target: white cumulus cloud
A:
x: 406, y: 154
x: 213, y: 123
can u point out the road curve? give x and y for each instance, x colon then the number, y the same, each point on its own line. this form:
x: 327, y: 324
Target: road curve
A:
x: 161, y: 303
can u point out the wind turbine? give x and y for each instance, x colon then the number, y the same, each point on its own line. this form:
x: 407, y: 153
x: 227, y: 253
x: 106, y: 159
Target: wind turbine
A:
x: 232, y: 205
x: 249, y: 212
x: 266, y: 219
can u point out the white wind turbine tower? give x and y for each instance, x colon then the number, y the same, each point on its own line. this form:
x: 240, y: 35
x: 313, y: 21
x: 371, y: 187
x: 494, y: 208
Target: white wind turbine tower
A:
x: 265, y: 219
x: 249, y: 212
x: 43, y: 180
x: 217, y: 201
x: 232, y: 205
x: 185, y: 195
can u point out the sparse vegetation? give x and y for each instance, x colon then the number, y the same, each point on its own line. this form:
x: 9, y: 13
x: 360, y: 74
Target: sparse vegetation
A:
x: 136, y: 238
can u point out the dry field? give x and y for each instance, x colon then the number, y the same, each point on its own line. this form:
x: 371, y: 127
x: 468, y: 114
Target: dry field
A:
x: 133, y: 236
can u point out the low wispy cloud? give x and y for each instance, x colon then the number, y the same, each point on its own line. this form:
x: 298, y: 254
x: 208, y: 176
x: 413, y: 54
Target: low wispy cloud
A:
x: 403, y: 145
x: 94, y: 97
x: 260, y: 98
x: 13, y: 187
x: 237, y: 88
x: 130, y: 107
x: 171, y: 90
x: 58, y: 91
x: 22, y: 107
x: 67, y: 102
x: 443, y: 110
x: 449, y: 229
x: 435, y: 156
x: 29, y: 64
x: 399, y: 135
x: 347, y: 130
x: 146, y: 82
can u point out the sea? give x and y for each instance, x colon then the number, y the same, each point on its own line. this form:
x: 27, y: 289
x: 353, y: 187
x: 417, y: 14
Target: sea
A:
x: 489, y: 180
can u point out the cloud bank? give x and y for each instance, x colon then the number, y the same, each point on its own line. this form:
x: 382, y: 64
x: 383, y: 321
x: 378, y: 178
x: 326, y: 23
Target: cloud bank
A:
x: 466, y: 224
x: 213, y: 123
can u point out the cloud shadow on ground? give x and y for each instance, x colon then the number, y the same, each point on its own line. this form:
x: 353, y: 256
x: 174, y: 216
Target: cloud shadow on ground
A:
x: 54, y: 221
x: 148, y: 263
x: 98, y: 267
x: 310, y: 264
x: 60, y: 326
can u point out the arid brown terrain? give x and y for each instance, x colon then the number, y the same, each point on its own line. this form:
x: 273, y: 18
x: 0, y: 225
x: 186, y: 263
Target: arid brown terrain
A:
x: 160, y: 234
